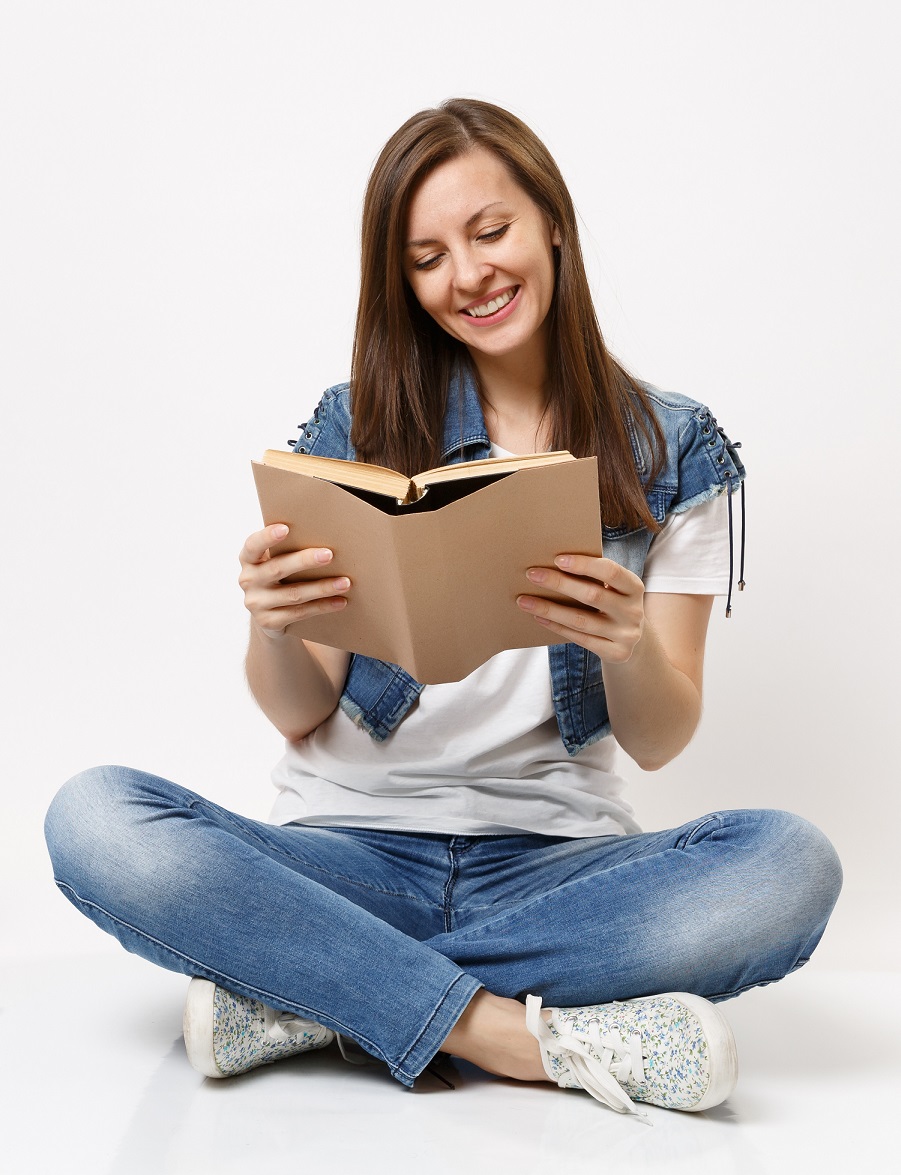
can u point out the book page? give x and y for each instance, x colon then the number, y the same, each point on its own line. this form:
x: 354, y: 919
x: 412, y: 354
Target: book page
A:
x: 376, y: 478
x: 489, y: 465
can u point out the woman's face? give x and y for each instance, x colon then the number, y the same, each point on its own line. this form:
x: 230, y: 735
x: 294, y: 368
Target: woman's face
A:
x: 479, y: 257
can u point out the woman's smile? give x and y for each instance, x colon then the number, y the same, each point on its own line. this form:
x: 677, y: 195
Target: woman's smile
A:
x: 490, y: 311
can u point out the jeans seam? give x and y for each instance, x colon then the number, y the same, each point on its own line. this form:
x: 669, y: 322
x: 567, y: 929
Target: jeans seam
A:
x: 697, y: 831
x: 728, y: 995
x: 391, y: 893
x: 400, y: 1065
x: 449, y: 888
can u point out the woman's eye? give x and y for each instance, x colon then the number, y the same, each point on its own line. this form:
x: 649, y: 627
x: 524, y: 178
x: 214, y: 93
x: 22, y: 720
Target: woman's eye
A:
x: 495, y: 234
x: 428, y: 263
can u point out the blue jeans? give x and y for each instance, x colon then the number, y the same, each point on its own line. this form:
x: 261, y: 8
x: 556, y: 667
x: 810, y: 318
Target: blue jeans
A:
x: 386, y: 936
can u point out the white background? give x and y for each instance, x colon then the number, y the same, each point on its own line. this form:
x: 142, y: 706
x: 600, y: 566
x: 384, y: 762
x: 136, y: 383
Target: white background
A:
x: 181, y: 188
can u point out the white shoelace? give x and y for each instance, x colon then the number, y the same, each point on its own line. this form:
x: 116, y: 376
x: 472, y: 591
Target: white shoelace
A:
x: 598, y: 1061
x: 282, y: 1026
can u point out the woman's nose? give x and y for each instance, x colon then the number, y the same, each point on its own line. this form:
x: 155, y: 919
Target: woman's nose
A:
x: 470, y: 271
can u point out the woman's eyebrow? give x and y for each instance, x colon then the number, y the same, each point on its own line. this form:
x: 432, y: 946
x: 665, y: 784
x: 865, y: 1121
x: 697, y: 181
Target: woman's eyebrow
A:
x: 475, y: 216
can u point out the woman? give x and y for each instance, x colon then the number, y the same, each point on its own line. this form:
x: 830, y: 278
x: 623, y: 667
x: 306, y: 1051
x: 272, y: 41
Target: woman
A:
x: 442, y: 860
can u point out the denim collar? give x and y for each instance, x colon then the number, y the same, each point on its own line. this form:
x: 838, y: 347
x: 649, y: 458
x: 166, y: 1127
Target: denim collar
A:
x: 464, y: 424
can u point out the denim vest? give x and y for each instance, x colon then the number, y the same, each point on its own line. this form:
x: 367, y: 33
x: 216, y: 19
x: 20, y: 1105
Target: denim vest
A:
x: 700, y: 462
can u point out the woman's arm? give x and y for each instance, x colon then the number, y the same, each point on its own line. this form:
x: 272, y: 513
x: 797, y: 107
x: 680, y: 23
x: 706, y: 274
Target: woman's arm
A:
x: 651, y: 648
x: 296, y: 683
x: 654, y: 698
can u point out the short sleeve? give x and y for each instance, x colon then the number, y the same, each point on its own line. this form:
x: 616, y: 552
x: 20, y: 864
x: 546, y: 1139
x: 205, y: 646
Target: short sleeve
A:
x: 327, y: 432
x: 690, y: 554
x: 708, y: 462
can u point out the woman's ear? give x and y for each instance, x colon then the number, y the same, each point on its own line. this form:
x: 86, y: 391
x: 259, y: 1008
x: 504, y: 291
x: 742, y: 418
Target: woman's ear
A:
x: 555, y: 236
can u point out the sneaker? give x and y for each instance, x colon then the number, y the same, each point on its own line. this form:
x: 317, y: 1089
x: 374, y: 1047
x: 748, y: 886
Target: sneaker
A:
x: 674, y: 1050
x: 227, y: 1034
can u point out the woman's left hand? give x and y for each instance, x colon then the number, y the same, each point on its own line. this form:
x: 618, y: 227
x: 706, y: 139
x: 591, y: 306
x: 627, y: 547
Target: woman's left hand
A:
x: 607, y: 615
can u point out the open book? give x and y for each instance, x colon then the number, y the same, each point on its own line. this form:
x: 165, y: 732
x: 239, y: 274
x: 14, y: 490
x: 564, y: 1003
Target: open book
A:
x: 435, y: 561
x: 393, y: 492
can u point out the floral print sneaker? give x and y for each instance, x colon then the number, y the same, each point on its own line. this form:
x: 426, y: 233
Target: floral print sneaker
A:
x: 226, y: 1034
x: 674, y: 1050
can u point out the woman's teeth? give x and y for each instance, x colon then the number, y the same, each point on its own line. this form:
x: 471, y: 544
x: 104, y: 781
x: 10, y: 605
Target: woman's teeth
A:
x: 493, y: 306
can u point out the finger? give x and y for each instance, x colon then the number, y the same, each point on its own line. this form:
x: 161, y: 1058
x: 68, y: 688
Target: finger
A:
x: 256, y: 548
x: 305, y: 591
x: 275, y: 608
x: 606, y: 571
x: 580, y: 620
x: 312, y: 562
x: 278, y: 619
x: 606, y: 647
x: 262, y: 597
x: 589, y: 591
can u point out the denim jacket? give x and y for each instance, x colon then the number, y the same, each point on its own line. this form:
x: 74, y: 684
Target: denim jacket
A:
x: 700, y: 462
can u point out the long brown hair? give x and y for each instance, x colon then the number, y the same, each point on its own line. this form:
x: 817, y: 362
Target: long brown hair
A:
x: 403, y: 361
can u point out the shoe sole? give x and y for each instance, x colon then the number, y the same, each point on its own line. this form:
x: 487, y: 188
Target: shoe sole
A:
x: 198, y: 1027
x: 720, y: 1046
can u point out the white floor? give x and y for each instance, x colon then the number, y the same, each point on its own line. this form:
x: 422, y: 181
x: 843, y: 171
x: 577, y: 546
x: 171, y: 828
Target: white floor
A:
x: 96, y: 1081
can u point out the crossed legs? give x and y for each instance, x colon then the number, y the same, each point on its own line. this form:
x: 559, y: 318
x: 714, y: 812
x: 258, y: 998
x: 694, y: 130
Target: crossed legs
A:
x: 410, y: 943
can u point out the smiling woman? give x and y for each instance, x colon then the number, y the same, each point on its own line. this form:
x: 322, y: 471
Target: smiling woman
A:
x: 487, y: 279
x: 442, y: 860
x: 466, y: 207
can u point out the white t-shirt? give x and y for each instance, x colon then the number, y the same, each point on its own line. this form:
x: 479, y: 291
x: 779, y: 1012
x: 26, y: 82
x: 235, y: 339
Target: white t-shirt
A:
x: 484, y: 755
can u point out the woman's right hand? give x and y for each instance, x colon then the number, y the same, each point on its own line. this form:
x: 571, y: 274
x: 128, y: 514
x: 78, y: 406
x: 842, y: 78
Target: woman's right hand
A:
x: 274, y: 605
